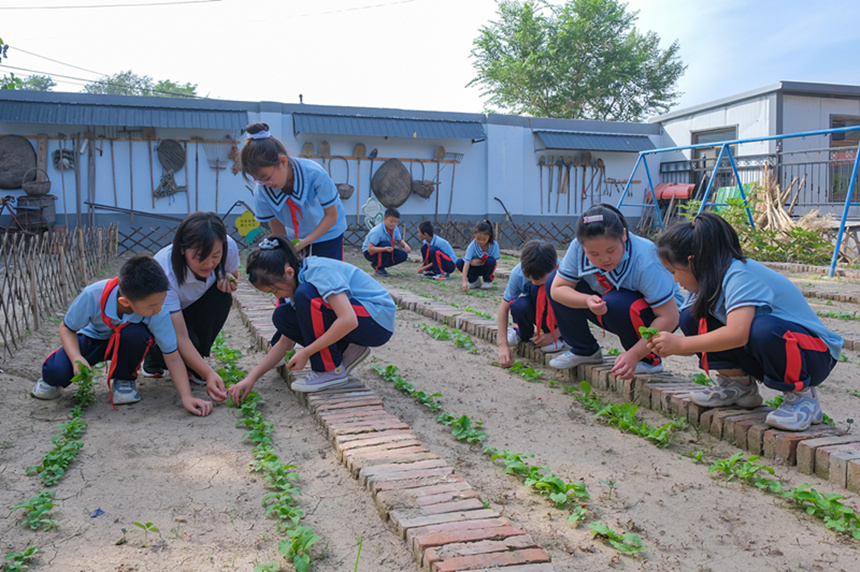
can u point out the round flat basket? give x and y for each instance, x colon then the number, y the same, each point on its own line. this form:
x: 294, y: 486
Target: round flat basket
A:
x: 17, y: 156
x: 171, y: 155
x: 33, y: 187
x: 392, y: 183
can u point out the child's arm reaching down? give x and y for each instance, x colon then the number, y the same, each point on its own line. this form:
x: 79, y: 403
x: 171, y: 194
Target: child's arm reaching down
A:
x: 240, y: 391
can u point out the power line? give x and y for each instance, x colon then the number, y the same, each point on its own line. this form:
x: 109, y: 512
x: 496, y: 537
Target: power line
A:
x: 14, y: 48
x: 104, y: 81
x: 136, y: 5
x: 352, y: 9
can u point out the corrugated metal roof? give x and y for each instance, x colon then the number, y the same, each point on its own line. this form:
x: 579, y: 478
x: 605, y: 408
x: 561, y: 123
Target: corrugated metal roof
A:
x: 66, y: 113
x: 595, y: 141
x: 387, y: 126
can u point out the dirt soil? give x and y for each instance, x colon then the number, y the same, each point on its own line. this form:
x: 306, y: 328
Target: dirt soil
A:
x: 189, y: 475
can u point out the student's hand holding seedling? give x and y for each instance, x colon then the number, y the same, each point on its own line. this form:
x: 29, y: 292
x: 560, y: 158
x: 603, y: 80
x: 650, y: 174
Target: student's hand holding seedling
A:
x: 239, y: 391
x: 665, y: 344
x: 215, y: 387
x: 596, y: 304
x: 541, y: 340
x: 506, y: 357
x: 227, y: 283
x: 625, y: 364
x: 299, y: 359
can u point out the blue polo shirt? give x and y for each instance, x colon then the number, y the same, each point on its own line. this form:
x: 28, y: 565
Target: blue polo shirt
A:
x: 752, y: 284
x: 518, y: 284
x: 84, y: 316
x: 474, y: 250
x: 301, y: 211
x: 333, y: 277
x: 640, y: 270
x: 442, y: 245
x: 380, y: 234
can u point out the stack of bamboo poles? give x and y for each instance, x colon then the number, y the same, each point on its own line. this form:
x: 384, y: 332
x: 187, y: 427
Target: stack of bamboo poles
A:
x: 772, y: 214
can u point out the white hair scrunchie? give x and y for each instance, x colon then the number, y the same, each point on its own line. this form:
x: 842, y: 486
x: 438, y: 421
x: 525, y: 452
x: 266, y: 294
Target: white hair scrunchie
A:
x: 258, y: 135
x: 267, y: 244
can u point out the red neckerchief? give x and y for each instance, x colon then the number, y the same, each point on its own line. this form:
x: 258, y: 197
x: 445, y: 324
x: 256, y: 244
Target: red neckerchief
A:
x: 542, y: 306
x: 391, y: 232
x: 703, y: 329
x: 112, y: 351
x: 295, y: 213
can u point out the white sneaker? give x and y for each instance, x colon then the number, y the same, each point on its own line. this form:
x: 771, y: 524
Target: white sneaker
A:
x: 475, y: 285
x: 513, y: 337
x: 319, y: 380
x: 125, y: 392
x: 569, y: 359
x: 798, y: 411
x: 486, y: 285
x: 644, y: 368
x: 44, y: 391
x: 557, y: 346
x: 729, y: 391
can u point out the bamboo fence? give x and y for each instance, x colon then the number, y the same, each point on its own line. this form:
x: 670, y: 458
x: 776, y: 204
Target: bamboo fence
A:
x: 40, y: 274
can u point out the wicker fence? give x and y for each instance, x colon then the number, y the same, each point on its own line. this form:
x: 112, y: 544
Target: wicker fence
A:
x: 39, y: 275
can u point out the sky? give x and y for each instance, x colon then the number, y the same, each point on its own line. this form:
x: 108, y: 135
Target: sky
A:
x: 404, y: 54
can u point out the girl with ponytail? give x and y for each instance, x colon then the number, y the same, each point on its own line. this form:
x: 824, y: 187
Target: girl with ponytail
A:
x: 478, y: 265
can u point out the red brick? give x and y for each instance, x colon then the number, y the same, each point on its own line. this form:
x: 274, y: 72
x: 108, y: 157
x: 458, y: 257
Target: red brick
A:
x: 405, y: 520
x: 412, y: 483
x: 371, y: 470
x: 694, y: 413
x: 452, y: 506
x: 678, y: 404
x: 839, y: 467
x: 497, y: 559
x: 824, y: 454
x: 436, y: 554
x: 544, y: 567
x: 446, y: 497
x: 328, y: 397
x: 369, y: 427
x: 332, y: 416
x: 806, y: 451
x: 852, y: 479
x: 624, y: 387
x: 783, y: 444
x: 390, y: 476
x: 706, y: 417
x: 348, y: 403
x: 383, y: 451
x: 419, y: 539
x: 755, y: 438
x: 719, y: 417
x: 356, y: 462
x: 737, y: 429
x: 364, y: 439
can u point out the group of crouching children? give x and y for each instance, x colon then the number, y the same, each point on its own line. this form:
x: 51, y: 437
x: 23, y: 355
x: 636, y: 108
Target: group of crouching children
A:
x: 743, y: 320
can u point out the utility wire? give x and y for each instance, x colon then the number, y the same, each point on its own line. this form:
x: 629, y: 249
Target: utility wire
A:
x: 136, y: 5
x: 14, y: 48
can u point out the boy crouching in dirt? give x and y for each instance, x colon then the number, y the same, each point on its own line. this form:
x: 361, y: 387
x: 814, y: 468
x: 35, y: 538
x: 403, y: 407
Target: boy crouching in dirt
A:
x: 117, y: 320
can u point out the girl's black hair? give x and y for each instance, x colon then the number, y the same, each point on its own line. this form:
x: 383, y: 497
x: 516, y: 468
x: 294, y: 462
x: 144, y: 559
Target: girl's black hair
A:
x: 612, y: 224
x: 486, y: 227
x: 708, y: 245
x: 265, y: 266
x: 260, y: 153
x: 198, y: 231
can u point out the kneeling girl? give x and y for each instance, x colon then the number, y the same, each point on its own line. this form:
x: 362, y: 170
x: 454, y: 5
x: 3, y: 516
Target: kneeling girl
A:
x: 336, y: 312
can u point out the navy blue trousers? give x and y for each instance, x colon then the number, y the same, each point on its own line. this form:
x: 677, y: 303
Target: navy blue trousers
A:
x: 311, y: 317
x: 524, y: 313
x: 332, y: 248
x: 133, y: 338
x: 782, y: 355
x: 626, y: 311
x: 485, y: 271
x: 441, y: 262
x: 382, y: 260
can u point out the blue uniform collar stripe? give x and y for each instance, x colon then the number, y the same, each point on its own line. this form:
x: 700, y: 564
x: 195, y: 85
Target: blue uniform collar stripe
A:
x: 619, y: 273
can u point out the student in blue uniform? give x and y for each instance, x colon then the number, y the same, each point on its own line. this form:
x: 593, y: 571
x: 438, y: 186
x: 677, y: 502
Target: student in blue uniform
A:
x: 336, y: 312
x: 380, y: 244
x: 202, y: 266
x: 478, y: 265
x: 614, y: 279
x: 746, y: 321
x: 439, y: 260
x: 117, y: 320
x: 527, y: 300
x: 295, y: 196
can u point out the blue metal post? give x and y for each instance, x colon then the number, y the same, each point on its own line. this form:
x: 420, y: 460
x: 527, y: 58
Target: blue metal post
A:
x: 741, y: 187
x: 845, y: 213
x: 711, y: 181
x: 630, y: 179
x: 654, y: 197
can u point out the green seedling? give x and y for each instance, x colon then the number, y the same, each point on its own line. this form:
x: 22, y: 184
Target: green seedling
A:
x: 612, y: 486
x: 462, y: 429
x: 147, y: 527
x: 122, y: 540
x: 627, y: 543
x: 271, y: 566
x: 296, y: 549
x: 827, y: 507
x: 578, y: 515
x: 839, y: 315
x: 18, y: 561
x: 360, y: 542
x: 615, y: 352
x: 702, y: 379
x: 648, y: 333
x: 84, y: 379
x: 37, y: 511
x: 476, y: 293
x: 289, y: 355
x: 528, y: 373
x: 66, y: 448
x: 697, y: 456
x: 854, y: 392
x: 843, y: 358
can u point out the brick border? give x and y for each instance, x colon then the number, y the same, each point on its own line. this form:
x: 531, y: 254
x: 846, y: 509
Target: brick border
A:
x: 438, y: 514
x: 822, y: 450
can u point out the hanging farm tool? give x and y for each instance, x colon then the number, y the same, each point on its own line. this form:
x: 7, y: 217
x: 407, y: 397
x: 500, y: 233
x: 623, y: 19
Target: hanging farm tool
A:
x: 217, y: 154
x: 562, y: 187
x: 558, y: 191
x: 437, y: 157
x: 541, y: 163
x: 585, y: 163
x: 454, y: 158
x: 324, y: 151
x: 171, y: 155
x: 359, y: 153
x: 550, y: 163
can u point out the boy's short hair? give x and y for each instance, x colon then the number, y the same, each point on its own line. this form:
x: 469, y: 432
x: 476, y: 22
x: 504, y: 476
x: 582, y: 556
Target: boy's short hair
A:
x: 391, y: 211
x: 537, y: 259
x: 140, y: 277
x: 426, y: 227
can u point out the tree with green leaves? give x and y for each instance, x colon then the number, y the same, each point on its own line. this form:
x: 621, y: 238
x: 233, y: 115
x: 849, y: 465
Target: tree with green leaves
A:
x: 129, y: 83
x: 583, y: 59
x: 37, y: 83
x: 7, y: 81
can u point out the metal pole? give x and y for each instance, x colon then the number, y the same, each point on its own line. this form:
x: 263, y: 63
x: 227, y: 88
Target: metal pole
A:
x: 741, y: 187
x: 845, y: 213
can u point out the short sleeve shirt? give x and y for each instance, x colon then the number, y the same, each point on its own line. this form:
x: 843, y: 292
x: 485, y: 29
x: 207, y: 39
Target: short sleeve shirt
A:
x: 379, y: 234
x: 84, y: 316
x: 301, y: 211
x: 752, y: 284
x: 180, y: 297
x: 518, y: 284
x: 474, y: 251
x: 334, y: 276
x: 442, y: 245
x: 640, y: 270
